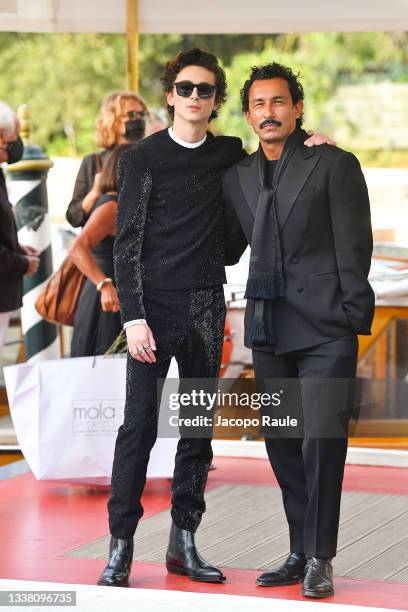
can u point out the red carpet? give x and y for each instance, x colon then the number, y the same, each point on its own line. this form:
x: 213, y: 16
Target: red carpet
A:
x: 41, y: 521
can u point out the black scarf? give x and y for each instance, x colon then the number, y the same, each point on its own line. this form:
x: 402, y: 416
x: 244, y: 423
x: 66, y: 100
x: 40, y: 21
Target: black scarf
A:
x: 265, y: 280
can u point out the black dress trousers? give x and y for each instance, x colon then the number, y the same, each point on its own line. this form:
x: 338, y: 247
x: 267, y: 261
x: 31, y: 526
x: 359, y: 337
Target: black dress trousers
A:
x: 309, y: 461
x: 188, y: 325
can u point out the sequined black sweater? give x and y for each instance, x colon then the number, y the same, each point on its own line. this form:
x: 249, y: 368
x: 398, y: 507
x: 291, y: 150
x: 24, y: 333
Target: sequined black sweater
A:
x: 169, y: 232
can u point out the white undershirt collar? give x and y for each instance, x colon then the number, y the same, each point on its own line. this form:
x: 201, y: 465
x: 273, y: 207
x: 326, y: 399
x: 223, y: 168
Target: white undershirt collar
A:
x: 183, y: 143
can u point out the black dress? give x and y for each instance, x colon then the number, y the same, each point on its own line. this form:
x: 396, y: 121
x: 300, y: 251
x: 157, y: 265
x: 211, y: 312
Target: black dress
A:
x: 94, y: 329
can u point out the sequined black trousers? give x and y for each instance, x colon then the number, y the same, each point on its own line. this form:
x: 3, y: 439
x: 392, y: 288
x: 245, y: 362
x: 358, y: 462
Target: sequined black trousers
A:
x: 188, y: 325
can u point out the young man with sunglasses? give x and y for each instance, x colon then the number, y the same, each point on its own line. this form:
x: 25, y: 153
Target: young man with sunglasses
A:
x: 169, y: 267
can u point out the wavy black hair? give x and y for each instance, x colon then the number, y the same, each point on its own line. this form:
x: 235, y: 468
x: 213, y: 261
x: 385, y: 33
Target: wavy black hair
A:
x: 195, y: 57
x: 274, y: 71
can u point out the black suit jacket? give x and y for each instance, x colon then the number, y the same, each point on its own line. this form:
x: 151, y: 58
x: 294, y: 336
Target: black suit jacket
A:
x: 13, y: 263
x: 323, y: 213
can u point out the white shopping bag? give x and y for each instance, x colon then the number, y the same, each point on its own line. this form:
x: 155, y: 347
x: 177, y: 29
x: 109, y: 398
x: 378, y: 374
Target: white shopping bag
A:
x: 66, y: 413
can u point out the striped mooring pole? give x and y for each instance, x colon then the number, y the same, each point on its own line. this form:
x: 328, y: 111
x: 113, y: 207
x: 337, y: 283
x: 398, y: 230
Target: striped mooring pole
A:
x: 28, y: 193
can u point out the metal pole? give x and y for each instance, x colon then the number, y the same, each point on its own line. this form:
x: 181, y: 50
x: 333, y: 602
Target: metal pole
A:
x: 28, y: 193
x: 132, y: 34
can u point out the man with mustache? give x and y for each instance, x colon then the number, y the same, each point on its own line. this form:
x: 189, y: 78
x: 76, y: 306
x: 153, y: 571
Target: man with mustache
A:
x: 306, y: 213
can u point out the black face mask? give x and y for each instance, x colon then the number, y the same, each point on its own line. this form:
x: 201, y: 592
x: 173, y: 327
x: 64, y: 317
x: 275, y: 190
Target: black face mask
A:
x: 15, y: 151
x: 135, y: 129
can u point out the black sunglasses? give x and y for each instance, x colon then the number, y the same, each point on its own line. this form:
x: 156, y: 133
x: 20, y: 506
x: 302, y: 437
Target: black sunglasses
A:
x: 185, y: 89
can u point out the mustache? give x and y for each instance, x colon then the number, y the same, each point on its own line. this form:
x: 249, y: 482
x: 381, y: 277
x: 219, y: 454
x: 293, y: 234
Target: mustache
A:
x: 269, y: 121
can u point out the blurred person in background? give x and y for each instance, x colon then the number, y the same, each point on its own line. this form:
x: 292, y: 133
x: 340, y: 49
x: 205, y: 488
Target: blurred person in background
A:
x: 16, y: 260
x: 122, y: 119
x: 97, y: 319
x: 157, y: 121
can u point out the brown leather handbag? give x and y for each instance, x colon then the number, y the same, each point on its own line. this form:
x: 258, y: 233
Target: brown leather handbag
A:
x: 58, y: 300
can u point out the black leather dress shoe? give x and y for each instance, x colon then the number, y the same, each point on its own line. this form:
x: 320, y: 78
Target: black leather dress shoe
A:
x: 117, y: 572
x: 291, y: 572
x: 183, y: 558
x: 318, y: 578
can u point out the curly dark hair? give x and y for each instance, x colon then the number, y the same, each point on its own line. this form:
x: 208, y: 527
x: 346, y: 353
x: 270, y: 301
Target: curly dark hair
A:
x: 273, y: 71
x: 195, y: 57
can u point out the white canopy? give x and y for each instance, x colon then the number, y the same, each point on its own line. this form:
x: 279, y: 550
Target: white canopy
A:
x: 205, y: 16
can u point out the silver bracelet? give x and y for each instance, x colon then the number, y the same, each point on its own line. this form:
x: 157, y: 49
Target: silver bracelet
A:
x: 103, y: 282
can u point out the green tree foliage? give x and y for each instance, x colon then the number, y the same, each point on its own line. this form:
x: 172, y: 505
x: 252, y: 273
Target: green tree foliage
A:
x: 324, y: 61
x: 64, y: 77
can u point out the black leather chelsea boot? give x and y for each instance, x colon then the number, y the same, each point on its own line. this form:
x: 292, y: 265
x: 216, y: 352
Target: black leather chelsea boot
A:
x: 117, y: 572
x: 318, y: 578
x: 183, y: 558
x: 291, y: 571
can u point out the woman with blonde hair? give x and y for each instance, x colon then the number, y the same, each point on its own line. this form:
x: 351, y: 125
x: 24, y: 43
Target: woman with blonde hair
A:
x: 121, y: 120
